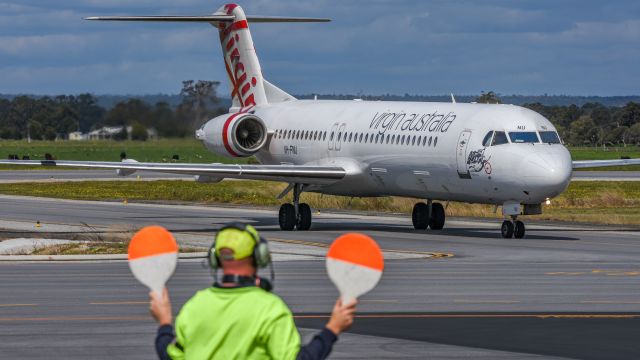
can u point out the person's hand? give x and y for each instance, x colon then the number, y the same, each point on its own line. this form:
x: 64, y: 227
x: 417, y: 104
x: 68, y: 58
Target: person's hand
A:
x: 342, y: 316
x: 160, y: 307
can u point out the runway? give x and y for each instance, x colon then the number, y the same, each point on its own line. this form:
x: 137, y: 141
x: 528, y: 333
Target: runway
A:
x: 560, y: 285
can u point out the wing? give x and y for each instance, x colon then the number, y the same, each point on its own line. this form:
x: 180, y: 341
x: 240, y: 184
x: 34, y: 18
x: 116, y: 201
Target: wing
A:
x: 604, y: 163
x: 317, y: 175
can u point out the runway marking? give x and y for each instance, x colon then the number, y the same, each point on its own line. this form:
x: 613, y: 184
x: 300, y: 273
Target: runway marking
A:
x: 76, y: 318
x: 567, y: 273
x: 615, y: 272
x: 486, y: 301
x: 323, y: 245
x: 596, y: 272
x: 120, y: 303
x: 609, y: 302
x: 481, y: 316
x: 18, y: 305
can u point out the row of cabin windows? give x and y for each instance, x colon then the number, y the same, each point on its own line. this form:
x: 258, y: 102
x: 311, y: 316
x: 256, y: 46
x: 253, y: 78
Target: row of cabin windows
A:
x: 301, y: 135
x: 415, y: 140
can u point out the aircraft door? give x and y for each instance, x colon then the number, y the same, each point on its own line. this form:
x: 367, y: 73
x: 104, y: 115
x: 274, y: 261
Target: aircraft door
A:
x: 461, y: 154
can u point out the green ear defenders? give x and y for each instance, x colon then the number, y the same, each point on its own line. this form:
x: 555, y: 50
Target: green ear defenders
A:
x: 261, y: 253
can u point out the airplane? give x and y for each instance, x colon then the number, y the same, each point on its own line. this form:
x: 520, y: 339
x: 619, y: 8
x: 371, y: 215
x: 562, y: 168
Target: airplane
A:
x: 498, y: 154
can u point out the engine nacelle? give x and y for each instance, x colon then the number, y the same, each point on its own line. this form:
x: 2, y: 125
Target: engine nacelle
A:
x: 238, y: 134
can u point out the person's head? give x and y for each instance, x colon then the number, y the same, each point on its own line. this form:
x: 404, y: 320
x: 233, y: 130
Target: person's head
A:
x: 238, y: 249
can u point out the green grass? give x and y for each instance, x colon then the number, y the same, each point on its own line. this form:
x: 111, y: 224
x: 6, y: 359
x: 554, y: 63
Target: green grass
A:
x: 610, y: 153
x: 584, y: 201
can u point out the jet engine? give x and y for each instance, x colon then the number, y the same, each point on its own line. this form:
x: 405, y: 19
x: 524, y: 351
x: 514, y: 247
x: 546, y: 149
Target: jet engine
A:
x: 238, y: 134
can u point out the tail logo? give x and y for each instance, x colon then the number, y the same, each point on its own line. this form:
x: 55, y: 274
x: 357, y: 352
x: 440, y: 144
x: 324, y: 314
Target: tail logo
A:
x: 240, y: 82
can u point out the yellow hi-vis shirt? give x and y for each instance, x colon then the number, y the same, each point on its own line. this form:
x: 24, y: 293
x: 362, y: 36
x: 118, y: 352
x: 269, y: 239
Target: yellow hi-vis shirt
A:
x: 235, y: 323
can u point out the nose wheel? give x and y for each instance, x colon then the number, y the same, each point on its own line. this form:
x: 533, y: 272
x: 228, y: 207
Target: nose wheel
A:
x: 512, y: 228
x: 296, y: 215
x: 430, y: 215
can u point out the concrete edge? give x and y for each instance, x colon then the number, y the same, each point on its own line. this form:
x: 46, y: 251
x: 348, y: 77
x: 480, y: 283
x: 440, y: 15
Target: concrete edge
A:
x: 123, y: 257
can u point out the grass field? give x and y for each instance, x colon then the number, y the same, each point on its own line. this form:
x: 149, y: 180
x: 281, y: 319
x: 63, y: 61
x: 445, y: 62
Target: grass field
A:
x: 192, y: 150
x: 584, y: 201
x: 610, y: 153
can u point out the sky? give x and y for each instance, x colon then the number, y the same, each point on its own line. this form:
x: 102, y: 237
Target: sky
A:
x: 527, y: 47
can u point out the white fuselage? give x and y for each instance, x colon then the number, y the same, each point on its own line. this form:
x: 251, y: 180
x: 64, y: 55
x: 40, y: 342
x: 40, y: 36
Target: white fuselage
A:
x: 422, y: 150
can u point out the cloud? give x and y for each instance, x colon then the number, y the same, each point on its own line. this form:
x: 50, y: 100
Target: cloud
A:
x: 376, y: 46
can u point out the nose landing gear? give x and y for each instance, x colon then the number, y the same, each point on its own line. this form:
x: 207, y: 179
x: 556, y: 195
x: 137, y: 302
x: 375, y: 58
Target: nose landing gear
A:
x: 512, y: 228
x: 428, y: 215
x: 296, y: 215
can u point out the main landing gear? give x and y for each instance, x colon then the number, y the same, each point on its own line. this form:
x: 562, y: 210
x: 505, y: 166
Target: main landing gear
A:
x: 428, y: 215
x: 295, y: 215
x: 512, y: 228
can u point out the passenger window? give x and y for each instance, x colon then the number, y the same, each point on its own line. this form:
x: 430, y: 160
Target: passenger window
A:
x: 499, y: 138
x: 435, y: 141
x: 487, y: 139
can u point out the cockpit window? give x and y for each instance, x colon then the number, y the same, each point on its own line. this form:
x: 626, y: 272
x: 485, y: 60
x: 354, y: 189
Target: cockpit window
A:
x: 487, y: 139
x: 549, y: 137
x: 524, y: 137
x: 499, y: 138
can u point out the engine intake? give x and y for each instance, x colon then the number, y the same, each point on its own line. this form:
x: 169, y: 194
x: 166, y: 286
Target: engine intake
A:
x: 238, y: 134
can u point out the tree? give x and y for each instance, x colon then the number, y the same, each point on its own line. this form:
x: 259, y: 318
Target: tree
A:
x: 488, y: 98
x: 199, y: 102
x: 629, y: 115
x: 35, y: 130
x: 584, y: 131
x: 634, y: 134
x: 125, y: 113
x: 166, y: 123
x: 599, y: 113
x: 138, y: 132
x: 617, y: 135
x: 50, y: 133
x: 88, y: 110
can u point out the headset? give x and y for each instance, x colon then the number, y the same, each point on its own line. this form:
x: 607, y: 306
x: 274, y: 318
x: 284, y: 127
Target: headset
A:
x: 261, y: 259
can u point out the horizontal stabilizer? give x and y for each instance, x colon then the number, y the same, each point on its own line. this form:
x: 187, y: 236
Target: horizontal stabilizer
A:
x: 206, y: 18
x: 162, y: 18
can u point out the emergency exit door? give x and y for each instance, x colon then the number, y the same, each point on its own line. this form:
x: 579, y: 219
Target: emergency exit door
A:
x: 461, y: 155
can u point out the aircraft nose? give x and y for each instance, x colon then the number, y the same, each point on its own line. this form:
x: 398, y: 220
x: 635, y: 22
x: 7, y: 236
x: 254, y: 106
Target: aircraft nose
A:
x: 547, y: 172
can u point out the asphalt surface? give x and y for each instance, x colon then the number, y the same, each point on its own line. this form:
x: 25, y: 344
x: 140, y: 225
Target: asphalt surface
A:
x: 83, y: 175
x: 564, y: 290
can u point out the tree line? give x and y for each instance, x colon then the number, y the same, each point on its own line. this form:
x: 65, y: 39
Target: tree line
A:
x: 591, y: 124
x: 49, y: 118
